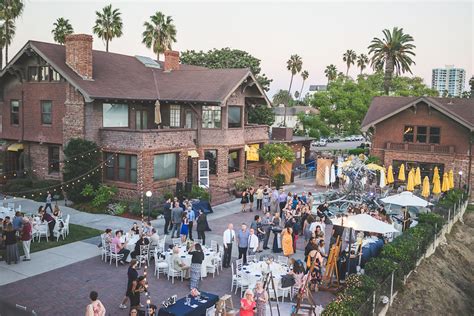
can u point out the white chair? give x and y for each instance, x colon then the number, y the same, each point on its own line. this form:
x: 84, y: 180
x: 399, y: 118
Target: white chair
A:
x: 283, y: 292
x: 235, y: 278
x: 161, y: 245
x: 251, y: 258
x: 211, y: 311
x: 244, y: 284
x: 66, y: 224
x: 212, y: 267
x: 172, y: 272
x: 161, y: 266
x: 105, y: 250
x: 176, y: 241
x: 43, y: 231
x: 144, y: 255
x: 238, y: 266
x: 11, y: 206
x: 114, y: 255
x: 214, y: 245
x: 58, y: 231
x: 220, y: 259
x: 283, y: 260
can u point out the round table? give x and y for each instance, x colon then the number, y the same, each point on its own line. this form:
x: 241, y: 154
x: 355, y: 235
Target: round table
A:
x: 186, y: 257
x: 254, y: 271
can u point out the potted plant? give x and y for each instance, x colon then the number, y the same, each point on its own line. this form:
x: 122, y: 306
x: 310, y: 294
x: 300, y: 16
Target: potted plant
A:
x: 243, y: 184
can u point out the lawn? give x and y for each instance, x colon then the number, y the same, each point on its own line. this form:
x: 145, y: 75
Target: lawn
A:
x: 76, y: 233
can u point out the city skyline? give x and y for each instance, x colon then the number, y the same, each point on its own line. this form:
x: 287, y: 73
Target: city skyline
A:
x: 269, y: 32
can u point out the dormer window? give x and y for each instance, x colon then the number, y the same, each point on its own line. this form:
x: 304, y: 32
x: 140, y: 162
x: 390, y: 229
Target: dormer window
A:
x: 43, y: 74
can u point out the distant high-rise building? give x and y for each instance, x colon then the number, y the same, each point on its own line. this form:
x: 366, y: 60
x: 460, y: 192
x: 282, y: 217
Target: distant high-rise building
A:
x: 448, y: 81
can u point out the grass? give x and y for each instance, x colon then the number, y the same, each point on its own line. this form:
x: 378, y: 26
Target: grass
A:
x: 76, y: 233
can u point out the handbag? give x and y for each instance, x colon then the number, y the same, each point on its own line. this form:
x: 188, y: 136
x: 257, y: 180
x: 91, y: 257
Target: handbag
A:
x: 287, y: 280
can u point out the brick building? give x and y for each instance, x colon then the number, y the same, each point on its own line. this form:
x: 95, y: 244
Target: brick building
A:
x: 163, y: 114
x: 425, y: 132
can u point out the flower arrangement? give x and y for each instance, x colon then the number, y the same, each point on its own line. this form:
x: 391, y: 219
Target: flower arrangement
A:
x: 194, y: 292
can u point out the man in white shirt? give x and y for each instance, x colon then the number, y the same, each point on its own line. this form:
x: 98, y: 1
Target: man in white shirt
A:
x: 253, y: 242
x: 228, y: 239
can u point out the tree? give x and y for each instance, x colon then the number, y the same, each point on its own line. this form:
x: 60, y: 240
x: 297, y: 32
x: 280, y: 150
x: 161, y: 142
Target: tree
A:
x: 394, y: 51
x: 330, y: 72
x: 313, y: 126
x: 411, y: 87
x: 77, y: 166
x: 159, y: 34
x: 61, y: 29
x: 294, y: 65
x: 304, y: 75
x: 362, y: 61
x: 261, y: 114
x: 227, y: 58
x: 276, y: 154
x: 108, y: 25
x: 10, y: 10
x: 283, y: 97
x: 349, y: 57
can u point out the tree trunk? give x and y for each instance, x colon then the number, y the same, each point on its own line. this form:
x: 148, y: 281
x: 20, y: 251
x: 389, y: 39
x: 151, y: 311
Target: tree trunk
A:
x: 1, y: 58
x: 301, y: 91
x: 291, y: 82
x: 157, y: 56
x: 347, y: 71
x: 107, y: 46
x: 389, y: 66
x: 6, y: 54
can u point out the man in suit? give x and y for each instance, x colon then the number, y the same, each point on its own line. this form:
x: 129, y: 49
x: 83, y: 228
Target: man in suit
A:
x: 176, y: 217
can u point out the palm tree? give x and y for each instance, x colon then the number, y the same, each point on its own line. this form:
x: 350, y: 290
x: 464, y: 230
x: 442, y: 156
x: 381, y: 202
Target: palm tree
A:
x: 304, y: 75
x: 108, y: 24
x: 62, y: 28
x: 394, y: 51
x: 349, y: 57
x: 159, y: 34
x: 10, y: 10
x: 330, y: 72
x: 2, y: 45
x: 362, y: 61
x: 294, y: 65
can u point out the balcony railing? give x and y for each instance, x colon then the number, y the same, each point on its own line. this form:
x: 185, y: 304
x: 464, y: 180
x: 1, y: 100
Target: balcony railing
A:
x: 423, y: 148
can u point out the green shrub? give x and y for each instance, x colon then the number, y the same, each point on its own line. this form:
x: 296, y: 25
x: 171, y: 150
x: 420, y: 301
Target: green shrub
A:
x: 168, y: 195
x: 337, y: 308
x: 450, y: 198
x: 380, y: 268
x: 101, y: 196
x: 433, y: 219
x: 37, y: 188
x: 120, y: 208
x: 279, y: 180
x: 373, y: 159
x: 199, y: 193
x: 356, y: 151
x: 245, y: 183
x: 135, y: 208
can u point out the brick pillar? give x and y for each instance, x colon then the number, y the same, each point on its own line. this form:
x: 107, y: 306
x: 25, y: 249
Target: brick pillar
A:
x: 73, y: 120
x: 171, y: 60
x: 79, y: 54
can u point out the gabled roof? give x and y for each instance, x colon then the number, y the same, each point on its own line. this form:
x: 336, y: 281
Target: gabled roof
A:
x: 123, y: 77
x: 384, y: 107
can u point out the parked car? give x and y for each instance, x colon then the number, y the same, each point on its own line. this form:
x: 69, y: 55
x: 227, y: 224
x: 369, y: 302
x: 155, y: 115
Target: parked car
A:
x: 318, y: 143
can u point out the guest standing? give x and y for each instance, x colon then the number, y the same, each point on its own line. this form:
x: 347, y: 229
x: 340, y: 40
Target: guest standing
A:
x: 251, y: 192
x: 9, y: 237
x: 253, y: 243
x: 261, y: 299
x: 228, y: 239
x: 201, y: 226
x: 49, y: 199
x: 243, y: 242
x: 191, y: 219
x: 196, y: 261
x: 266, y: 226
x: 132, y: 275
x: 176, y: 217
x: 282, y: 201
x: 138, y: 286
x: 46, y: 217
x: 167, y: 216
x: 17, y: 221
x: 95, y: 308
x: 184, y: 227
x: 287, y: 241
x: 244, y: 200
x: 259, y: 195
x: 247, y: 304
x: 26, y: 238
x: 274, y: 201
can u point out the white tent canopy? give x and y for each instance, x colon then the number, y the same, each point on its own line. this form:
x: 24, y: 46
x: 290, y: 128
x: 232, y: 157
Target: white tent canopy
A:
x: 366, y: 223
x: 406, y: 198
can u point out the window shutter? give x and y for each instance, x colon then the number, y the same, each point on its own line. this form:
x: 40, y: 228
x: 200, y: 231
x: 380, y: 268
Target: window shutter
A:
x: 203, y: 173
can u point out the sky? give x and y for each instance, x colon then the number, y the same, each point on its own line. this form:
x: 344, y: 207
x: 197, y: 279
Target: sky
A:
x: 319, y: 31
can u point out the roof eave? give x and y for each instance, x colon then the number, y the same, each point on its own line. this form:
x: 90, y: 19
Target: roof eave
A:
x: 248, y: 74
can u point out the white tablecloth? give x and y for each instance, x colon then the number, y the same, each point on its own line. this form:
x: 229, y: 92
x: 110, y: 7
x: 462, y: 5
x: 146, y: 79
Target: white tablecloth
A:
x: 208, y: 255
x: 131, y: 241
x: 5, y: 211
x: 254, y: 271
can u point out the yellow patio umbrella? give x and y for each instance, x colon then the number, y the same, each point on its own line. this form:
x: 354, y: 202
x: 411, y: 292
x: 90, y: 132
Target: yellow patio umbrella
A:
x: 425, y: 192
x: 390, y: 178
x: 418, y: 176
x: 451, y: 179
x: 436, y: 186
x: 401, y: 173
x: 445, y: 185
x: 373, y: 166
x: 435, y: 174
x: 411, y: 180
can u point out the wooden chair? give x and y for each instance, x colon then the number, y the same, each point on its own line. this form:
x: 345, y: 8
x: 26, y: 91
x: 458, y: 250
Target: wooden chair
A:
x: 225, y: 306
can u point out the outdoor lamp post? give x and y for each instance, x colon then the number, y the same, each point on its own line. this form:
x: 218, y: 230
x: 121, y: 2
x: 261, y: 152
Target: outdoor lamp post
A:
x: 460, y: 178
x: 148, y: 195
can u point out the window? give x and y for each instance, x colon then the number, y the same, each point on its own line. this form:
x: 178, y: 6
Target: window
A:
x: 115, y: 115
x: 175, y: 116
x: 121, y: 167
x: 408, y: 133
x: 53, y: 159
x: 421, y: 134
x: 211, y: 116
x: 141, y: 119
x: 435, y: 135
x: 235, y: 116
x: 33, y: 74
x: 234, y: 160
x: 211, y: 155
x: 164, y: 166
x: 46, y: 112
x: 44, y: 74
x: 55, y: 76
x: 15, y: 112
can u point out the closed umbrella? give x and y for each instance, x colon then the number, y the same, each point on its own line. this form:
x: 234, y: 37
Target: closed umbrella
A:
x: 445, y: 185
x: 326, y: 176
x: 451, y: 179
x: 401, y: 173
x: 390, y: 178
x: 435, y: 174
x: 382, y: 179
x: 339, y: 170
x: 411, y: 180
x: 333, y: 174
x: 417, y: 176
x: 406, y: 199
x: 436, y: 186
x: 426, y: 187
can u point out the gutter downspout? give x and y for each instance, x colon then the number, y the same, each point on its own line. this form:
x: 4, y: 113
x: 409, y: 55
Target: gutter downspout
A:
x: 471, y: 140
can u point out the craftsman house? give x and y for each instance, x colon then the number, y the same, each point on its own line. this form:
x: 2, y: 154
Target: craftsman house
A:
x: 424, y: 132
x: 165, y: 115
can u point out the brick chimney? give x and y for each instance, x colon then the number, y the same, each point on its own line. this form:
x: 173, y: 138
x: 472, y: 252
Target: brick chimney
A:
x: 171, y: 60
x: 79, y: 54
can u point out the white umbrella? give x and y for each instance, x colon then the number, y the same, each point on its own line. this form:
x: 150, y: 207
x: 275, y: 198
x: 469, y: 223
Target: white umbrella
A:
x: 327, y: 176
x: 333, y: 174
x: 382, y: 179
x: 406, y: 198
x: 366, y: 223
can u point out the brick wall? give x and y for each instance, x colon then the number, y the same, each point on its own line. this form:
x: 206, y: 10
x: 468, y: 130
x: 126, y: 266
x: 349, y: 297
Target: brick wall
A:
x: 171, y: 60
x: 73, y: 120
x: 39, y: 161
x: 93, y: 121
x: 79, y: 54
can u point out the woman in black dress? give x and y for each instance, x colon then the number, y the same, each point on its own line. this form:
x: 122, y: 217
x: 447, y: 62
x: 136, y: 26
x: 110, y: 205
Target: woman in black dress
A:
x: 244, y: 200
x: 132, y: 275
x: 201, y: 226
x: 251, y: 196
x: 9, y: 237
x: 138, y: 286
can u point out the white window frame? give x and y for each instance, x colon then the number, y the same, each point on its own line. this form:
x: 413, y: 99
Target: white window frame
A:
x: 175, y: 115
x: 203, y: 173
